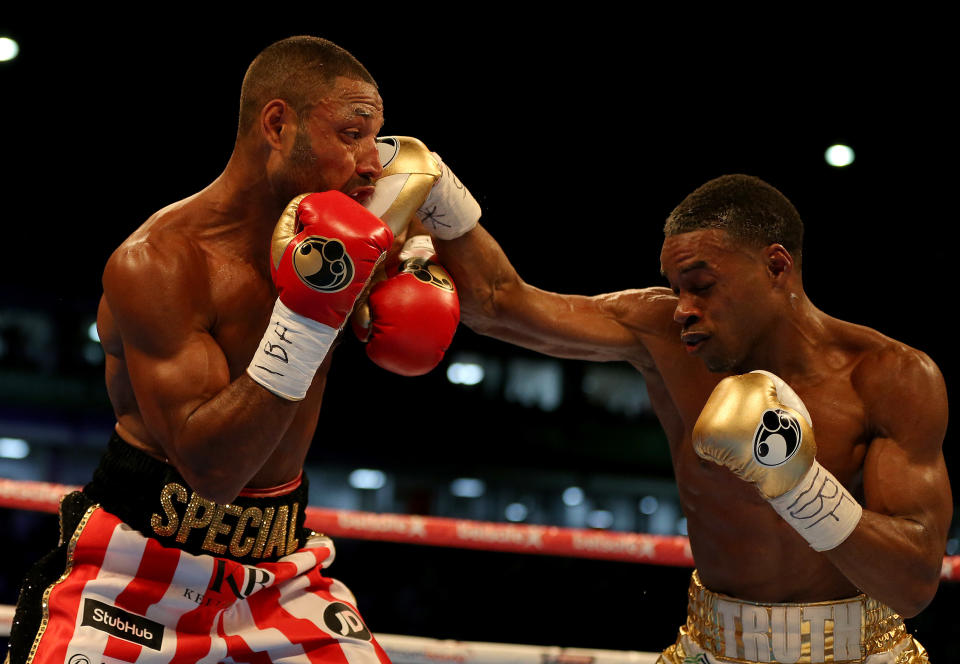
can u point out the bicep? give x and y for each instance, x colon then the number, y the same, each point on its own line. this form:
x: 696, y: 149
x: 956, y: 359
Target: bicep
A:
x: 495, y: 301
x: 173, y: 362
x: 905, y: 473
x: 899, y: 482
x: 171, y: 385
x: 570, y: 326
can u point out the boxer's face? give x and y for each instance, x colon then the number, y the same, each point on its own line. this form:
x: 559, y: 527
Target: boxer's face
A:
x: 333, y: 145
x: 725, y: 302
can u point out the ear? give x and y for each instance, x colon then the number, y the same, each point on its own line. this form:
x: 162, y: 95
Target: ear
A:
x: 779, y: 262
x: 277, y: 119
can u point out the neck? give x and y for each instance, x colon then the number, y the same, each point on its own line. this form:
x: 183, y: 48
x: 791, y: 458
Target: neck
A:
x: 239, y: 209
x: 241, y: 199
x: 245, y: 188
x: 794, y: 342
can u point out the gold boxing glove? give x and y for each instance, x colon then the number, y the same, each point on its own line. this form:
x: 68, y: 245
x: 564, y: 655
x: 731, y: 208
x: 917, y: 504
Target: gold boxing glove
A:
x: 415, y: 181
x: 758, y: 427
x: 409, y: 173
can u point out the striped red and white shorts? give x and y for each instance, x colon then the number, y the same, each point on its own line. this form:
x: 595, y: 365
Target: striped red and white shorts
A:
x: 124, y: 597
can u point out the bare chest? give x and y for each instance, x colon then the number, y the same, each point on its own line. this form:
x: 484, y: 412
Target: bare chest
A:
x: 841, y: 429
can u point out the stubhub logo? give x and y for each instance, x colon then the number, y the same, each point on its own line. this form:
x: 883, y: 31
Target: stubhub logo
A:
x: 122, y: 624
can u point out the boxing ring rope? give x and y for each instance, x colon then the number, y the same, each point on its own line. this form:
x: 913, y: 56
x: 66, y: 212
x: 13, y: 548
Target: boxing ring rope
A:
x: 433, y: 531
x: 456, y: 533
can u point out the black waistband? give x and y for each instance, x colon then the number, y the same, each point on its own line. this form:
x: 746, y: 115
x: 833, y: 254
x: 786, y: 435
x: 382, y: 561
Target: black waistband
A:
x: 153, y: 497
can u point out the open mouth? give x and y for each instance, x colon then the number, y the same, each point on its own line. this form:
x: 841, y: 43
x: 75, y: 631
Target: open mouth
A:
x: 692, y: 341
x: 362, y: 194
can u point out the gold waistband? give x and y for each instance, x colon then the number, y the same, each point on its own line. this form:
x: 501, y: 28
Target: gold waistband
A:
x: 848, y: 630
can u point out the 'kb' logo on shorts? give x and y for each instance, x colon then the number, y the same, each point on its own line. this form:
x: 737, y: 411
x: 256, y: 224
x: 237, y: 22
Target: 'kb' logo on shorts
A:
x: 777, y: 438
x: 323, y: 264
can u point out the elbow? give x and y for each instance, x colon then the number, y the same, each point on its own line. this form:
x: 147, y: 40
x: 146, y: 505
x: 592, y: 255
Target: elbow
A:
x: 219, y: 494
x: 211, y: 480
x: 915, y: 592
x: 478, y: 302
x: 220, y: 490
x: 485, y: 307
x: 912, y: 601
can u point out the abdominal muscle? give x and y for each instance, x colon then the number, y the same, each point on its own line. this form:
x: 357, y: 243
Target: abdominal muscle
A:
x: 743, y: 548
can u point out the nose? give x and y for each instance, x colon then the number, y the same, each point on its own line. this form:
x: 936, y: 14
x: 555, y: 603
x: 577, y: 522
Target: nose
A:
x: 368, y: 162
x: 686, y: 312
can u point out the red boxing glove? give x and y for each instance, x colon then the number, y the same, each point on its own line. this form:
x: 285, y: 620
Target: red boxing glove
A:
x: 324, y: 249
x: 326, y: 265
x: 413, y: 317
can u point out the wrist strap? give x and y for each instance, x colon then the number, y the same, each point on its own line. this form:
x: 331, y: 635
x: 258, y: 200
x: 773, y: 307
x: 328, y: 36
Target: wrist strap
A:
x: 450, y: 209
x: 291, y: 351
x: 820, y: 509
x: 419, y: 246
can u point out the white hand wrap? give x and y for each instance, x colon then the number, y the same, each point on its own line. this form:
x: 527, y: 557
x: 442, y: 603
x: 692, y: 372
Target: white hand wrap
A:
x: 291, y: 351
x: 450, y: 210
x: 419, y: 246
x: 386, y: 193
x: 820, y: 509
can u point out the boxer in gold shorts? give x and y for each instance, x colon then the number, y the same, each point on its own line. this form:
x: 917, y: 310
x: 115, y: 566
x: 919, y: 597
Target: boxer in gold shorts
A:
x: 807, y: 548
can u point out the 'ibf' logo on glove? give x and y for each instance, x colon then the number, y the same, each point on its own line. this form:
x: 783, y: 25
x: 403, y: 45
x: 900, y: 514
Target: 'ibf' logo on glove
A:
x: 777, y: 438
x: 323, y: 264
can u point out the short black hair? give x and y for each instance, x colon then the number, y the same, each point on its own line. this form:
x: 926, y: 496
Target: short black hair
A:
x: 750, y: 210
x: 295, y: 69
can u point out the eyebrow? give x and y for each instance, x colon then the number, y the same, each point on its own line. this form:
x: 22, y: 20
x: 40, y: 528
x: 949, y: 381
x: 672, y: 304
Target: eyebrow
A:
x: 698, y: 265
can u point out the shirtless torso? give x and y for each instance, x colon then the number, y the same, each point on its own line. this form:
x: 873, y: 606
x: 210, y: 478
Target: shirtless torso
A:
x: 188, y: 295
x: 231, y: 296
x: 742, y: 547
x: 878, y: 407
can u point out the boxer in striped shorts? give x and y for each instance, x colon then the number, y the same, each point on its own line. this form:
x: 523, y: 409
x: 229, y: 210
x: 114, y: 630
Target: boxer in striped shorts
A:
x: 218, y: 324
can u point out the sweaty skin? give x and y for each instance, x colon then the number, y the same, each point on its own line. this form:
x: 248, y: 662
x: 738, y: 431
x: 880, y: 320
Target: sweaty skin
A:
x: 188, y: 295
x: 735, y: 309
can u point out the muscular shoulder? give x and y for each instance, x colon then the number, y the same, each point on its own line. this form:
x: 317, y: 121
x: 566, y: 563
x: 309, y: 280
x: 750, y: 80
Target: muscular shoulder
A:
x: 153, y: 254
x: 158, y: 274
x: 163, y: 250
x: 901, y: 387
x: 646, y: 312
x: 642, y: 309
x: 647, y: 315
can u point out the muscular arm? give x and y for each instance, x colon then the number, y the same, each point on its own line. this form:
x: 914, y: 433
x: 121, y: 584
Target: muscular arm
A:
x: 896, y: 551
x: 495, y: 301
x: 215, y: 431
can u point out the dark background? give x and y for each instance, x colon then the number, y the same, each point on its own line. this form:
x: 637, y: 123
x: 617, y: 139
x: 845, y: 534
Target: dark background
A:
x: 577, y: 134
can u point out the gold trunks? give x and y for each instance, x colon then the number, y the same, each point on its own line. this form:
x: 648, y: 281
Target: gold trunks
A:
x: 844, y: 631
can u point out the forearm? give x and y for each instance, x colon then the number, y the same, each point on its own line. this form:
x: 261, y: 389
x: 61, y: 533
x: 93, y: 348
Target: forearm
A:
x: 893, y: 559
x: 222, y: 443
